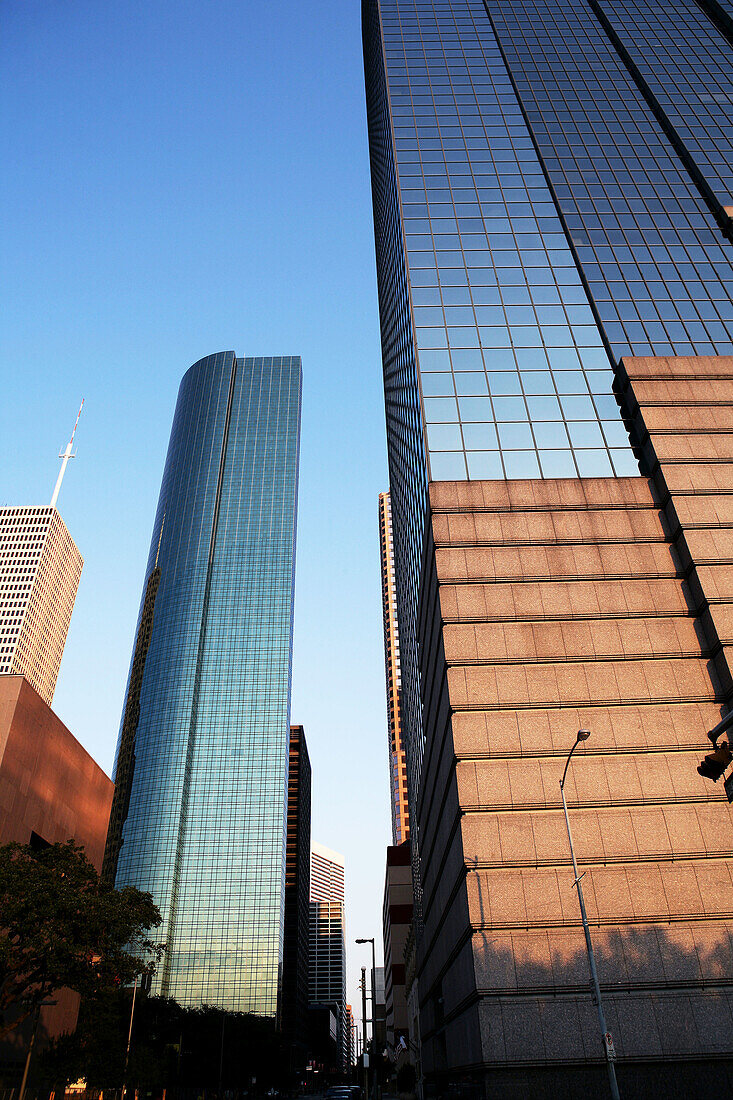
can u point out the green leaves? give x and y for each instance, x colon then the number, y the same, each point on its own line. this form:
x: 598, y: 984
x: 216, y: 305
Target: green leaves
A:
x: 61, y: 927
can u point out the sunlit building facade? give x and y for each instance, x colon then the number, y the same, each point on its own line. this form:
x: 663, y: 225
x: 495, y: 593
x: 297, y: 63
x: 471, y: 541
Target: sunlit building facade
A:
x: 393, y: 679
x: 199, y: 813
x: 40, y: 570
x: 552, y: 192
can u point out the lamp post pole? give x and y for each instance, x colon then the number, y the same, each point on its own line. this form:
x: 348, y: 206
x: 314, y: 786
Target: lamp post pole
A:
x: 583, y: 735
x: 129, y: 1038
x: 368, y: 939
x: 364, y: 1055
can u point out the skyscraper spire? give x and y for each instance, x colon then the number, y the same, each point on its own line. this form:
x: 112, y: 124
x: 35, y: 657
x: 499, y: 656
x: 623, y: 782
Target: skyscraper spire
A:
x: 65, y: 456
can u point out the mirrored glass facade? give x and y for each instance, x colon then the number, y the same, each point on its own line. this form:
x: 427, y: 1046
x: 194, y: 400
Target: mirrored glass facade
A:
x: 199, y: 816
x: 690, y: 90
x: 721, y: 12
x: 658, y: 267
x: 550, y: 183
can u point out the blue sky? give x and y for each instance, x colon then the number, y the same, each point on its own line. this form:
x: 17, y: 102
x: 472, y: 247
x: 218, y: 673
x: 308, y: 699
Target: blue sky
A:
x: 178, y: 179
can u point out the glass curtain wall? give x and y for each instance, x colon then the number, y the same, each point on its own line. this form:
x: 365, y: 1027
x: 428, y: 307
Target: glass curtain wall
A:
x: 200, y: 807
x: 549, y: 186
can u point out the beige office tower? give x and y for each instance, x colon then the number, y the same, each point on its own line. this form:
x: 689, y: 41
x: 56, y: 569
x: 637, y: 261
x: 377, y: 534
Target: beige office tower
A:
x: 40, y: 568
x: 397, y: 765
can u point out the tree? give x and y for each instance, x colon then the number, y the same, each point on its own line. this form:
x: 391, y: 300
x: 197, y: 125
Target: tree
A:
x: 62, y: 927
x: 173, y: 1047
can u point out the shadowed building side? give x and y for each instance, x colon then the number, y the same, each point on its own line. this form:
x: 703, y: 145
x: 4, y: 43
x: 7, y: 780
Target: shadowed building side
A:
x: 125, y: 762
x: 296, y: 935
x: 396, y: 923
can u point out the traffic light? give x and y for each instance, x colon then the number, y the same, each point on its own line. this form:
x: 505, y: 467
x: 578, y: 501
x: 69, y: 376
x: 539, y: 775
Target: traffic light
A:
x: 716, y: 762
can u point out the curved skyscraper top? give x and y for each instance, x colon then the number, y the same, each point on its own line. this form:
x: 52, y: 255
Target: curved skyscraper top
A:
x: 199, y: 812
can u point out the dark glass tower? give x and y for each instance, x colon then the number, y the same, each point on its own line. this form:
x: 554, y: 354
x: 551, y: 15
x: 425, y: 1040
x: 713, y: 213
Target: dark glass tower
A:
x: 199, y: 815
x: 553, y: 199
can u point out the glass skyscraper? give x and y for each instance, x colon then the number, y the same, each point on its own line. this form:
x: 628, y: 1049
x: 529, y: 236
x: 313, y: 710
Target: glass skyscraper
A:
x: 552, y: 189
x: 199, y: 815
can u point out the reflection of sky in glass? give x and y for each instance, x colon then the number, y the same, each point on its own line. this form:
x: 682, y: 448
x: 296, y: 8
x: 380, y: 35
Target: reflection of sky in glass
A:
x: 658, y: 268
x: 205, y: 827
x: 515, y: 379
x: 530, y: 213
x: 691, y: 84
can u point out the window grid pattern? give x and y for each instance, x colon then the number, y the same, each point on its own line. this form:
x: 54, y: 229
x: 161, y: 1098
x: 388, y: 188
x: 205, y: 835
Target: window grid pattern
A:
x: 393, y: 678
x: 327, y: 943
x: 686, y: 67
x: 515, y: 379
x: 657, y: 268
x: 40, y: 570
x: 408, y: 474
x: 204, y: 827
x: 721, y: 13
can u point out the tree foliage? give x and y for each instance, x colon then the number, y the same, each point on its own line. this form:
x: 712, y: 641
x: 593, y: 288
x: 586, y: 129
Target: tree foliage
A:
x: 172, y: 1047
x: 62, y: 927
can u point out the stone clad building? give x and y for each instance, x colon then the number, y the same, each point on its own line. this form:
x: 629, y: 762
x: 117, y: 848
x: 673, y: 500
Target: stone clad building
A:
x: 551, y: 186
x: 40, y: 570
x: 603, y: 604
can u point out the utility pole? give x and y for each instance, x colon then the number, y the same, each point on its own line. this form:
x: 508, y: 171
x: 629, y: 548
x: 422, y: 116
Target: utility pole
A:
x: 364, y: 1055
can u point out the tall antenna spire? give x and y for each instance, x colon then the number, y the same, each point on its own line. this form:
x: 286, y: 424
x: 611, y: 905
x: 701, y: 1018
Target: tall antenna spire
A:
x: 65, y: 456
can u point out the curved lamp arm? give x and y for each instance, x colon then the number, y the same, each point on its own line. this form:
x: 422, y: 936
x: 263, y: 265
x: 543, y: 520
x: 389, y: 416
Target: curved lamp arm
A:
x: 583, y: 735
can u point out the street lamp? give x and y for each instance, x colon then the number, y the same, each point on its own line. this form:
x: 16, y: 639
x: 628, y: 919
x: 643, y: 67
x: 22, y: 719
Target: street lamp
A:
x: 583, y: 735
x: 129, y: 1039
x: 364, y: 1055
x: 374, y: 1001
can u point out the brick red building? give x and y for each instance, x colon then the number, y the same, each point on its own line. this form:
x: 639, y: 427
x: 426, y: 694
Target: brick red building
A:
x: 51, y: 790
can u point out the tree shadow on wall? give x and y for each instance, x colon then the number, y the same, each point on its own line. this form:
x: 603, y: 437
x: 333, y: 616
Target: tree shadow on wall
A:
x: 667, y: 992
